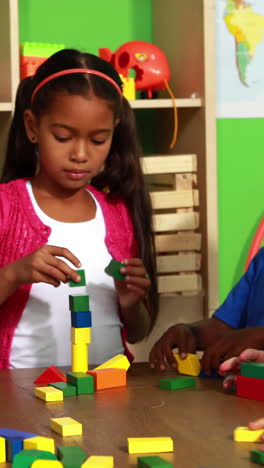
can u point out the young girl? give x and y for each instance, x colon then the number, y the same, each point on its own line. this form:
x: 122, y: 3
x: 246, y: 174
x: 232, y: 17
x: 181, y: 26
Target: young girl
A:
x: 73, y: 197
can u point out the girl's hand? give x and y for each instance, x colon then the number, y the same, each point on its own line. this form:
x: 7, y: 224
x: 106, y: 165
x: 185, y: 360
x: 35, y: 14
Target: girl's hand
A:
x: 44, y: 266
x: 136, y: 284
x: 233, y: 366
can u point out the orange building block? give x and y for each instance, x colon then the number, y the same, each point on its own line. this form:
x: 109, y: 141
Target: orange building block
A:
x: 108, y: 378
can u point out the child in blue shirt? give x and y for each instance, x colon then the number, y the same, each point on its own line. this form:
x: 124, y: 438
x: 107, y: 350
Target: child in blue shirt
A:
x: 236, y: 325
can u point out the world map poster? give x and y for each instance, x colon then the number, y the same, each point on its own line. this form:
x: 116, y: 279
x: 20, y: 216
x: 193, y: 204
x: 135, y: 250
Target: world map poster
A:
x: 240, y: 58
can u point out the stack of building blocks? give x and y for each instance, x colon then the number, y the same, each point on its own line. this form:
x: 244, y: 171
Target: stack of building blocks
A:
x: 153, y: 462
x: 33, y: 54
x: 150, y: 444
x: 66, y: 426
x: 81, y: 323
x: 189, y: 366
x: 175, y: 383
x: 250, y: 382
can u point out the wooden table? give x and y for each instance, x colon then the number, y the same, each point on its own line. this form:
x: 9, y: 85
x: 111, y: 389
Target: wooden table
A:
x: 200, y: 419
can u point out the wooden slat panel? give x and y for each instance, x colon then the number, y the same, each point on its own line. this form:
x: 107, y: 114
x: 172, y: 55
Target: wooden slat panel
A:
x: 179, y: 283
x: 174, y: 242
x: 174, y: 199
x: 175, y: 222
x: 177, y: 263
x: 169, y: 164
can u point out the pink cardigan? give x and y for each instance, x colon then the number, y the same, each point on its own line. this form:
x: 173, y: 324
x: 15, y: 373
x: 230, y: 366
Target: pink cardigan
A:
x: 22, y: 232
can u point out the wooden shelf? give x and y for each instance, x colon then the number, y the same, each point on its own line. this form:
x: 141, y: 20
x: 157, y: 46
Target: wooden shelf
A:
x: 164, y: 103
x: 6, y: 106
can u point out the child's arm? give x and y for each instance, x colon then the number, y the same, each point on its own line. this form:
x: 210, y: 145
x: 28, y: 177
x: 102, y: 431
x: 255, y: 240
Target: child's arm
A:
x: 43, y: 265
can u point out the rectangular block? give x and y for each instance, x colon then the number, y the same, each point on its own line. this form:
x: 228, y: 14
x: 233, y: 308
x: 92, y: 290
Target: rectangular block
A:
x: 119, y: 361
x: 81, y: 335
x: 175, y: 383
x: 2, y: 450
x: 244, y: 434
x: 256, y: 456
x: 150, y: 444
x: 252, y: 369
x: 81, y: 319
x: 48, y: 393
x: 40, y: 443
x: 78, y: 303
x: 99, y: 462
x: 8, y: 433
x: 109, y: 378
x: 251, y: 388
x: 153, y: 462
x: 83, y: 382
x: 73, y: 284
x: 79, y: 357
x: 66, y: 426
x: 67, y: 389
x: 71, y: 456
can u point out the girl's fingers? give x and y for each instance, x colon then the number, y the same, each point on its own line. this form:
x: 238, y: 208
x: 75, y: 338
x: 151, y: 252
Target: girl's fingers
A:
x: 66, y: 253
x: 230, y: 365
x: 253, y: 355
x: 258, y: 424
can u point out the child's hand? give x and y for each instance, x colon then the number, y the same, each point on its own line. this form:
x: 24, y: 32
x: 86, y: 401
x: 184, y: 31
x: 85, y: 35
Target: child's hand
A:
x: 136, y: 284
x: 44, y: 266
x: 254, y: 426
x: 231, y: 345
x: 233, y: 365
x: 178, y: 336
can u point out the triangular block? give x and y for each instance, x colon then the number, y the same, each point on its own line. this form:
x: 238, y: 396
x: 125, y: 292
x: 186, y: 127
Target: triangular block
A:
x: 51, y: 374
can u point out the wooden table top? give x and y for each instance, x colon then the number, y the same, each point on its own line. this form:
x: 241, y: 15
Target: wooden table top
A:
x: 200, y: 419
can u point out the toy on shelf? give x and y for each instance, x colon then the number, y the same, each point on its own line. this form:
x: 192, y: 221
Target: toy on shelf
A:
x: 33, y: 54
x: 151, y: 68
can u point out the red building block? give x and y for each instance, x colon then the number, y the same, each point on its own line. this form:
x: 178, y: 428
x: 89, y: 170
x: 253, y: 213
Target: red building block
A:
x: 29, y: 65
x: 51, y: 374
x: 251, y: 388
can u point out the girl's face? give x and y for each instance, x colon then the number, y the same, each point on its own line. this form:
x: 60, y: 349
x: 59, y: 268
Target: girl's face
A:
x: 74, y: 138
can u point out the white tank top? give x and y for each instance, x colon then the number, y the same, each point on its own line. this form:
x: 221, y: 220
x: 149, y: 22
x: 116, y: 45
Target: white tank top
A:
x: 42, y: 337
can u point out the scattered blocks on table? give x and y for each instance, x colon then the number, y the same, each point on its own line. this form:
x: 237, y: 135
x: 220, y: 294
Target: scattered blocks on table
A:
x: 78, y: 303
x: 2, y: 450
x: 71, y: 456
x: 244, y: 434
x: 44, y: 464
x: 25, y: 458
x: 83, y: 382
x: 150, y: 444
x: 252, y: 369
x: 256, y: 456
x: 99, y: 462
x: 119, y: 361
x: 109, y: 378
x: 40, y: 443
x: 250, y: 388
x: 67, y: 389
x: 48, y: 393
x: 66, y: 426
x: 73, y: 284
x: 175, y: 383
x: 79, y: 357
x: 81, y: 319
x: 51, y: 374
x: 113, y: 269
x: 153, y: 462
x: 81, y: 335
x: 190, y: 366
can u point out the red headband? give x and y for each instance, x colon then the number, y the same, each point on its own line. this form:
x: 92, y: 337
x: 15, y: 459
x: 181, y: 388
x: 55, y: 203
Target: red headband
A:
x: 74, y: 70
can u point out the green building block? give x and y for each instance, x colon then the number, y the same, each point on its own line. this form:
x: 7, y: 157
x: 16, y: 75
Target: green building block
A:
x: 174, y: 383
x: 256, y: 456
x: 79, y: 303
x: 25, y: 458
x: 39, y: 49
x: 71, y: 456
x: 153, y: 462
x: 73, y: 284
x: 67, y: 389
x: 84, y: 383
x: 252, y: 369
x: 113, y: 269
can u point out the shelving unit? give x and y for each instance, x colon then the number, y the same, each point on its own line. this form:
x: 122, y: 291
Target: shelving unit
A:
x: 165, y: 103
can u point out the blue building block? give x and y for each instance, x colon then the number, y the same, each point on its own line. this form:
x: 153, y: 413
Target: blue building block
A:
x: 81, y: 319
x: 213, y: 375
x: 14, y: 441
x: 8, y: 433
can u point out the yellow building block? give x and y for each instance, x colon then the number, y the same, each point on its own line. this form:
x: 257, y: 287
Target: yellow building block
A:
x: 244, y: 434
x: 79, y: 357
x: 98, y: 462
x: 66, y: 426
x: 119, y: 361
x: 46, y: 464
x: 150, y: 444
x: 2, y: 450
x: 189, y: 366
x: 40, y: 443
x: 81, y: 335
x: 129, y: 87
x: 49, y: 393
